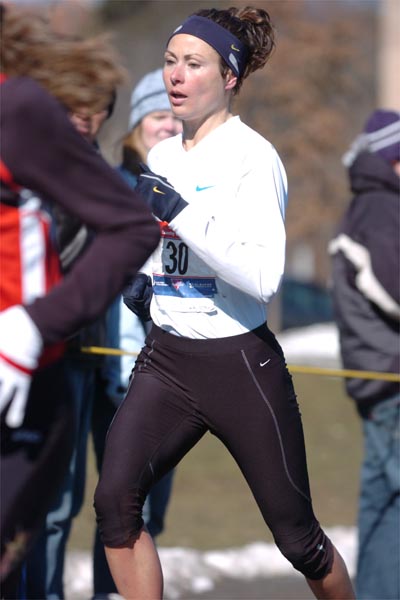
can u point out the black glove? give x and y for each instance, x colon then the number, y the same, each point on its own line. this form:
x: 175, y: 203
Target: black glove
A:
x: 162, y: 199
x: 137, y: 295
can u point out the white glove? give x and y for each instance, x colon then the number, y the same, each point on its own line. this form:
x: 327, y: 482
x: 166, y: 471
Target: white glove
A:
x: 20, y: 349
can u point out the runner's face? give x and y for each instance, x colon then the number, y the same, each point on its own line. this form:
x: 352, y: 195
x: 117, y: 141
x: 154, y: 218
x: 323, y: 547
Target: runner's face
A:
x: 192, y: 76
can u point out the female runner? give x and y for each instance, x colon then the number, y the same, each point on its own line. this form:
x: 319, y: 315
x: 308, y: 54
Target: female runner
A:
x: 210, y: 362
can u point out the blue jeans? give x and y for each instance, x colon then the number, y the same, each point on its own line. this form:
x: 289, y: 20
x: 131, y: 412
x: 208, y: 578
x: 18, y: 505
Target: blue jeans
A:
x: 45, y: 565
x: 155, y: 507
x: 378, y: 569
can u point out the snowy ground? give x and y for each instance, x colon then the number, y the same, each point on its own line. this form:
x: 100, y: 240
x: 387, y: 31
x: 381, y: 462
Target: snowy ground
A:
x: 317, y: 345
x: 188, y: 571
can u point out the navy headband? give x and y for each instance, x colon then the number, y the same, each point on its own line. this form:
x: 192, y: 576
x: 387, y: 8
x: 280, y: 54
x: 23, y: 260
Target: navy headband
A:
x: 228, y: 46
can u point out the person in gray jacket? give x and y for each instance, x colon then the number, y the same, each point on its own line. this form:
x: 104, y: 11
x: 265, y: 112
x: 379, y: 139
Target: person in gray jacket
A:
x: 366, y: 293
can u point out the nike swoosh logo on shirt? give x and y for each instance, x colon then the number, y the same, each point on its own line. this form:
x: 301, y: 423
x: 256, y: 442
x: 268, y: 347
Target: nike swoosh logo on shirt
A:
x: 199, y: 188
x: 157, y: 191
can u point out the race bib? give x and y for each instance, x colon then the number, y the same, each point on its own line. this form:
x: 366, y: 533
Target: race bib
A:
x: 181, y: 280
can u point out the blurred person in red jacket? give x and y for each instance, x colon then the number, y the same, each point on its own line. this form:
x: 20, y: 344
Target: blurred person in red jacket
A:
x: 45, y: 162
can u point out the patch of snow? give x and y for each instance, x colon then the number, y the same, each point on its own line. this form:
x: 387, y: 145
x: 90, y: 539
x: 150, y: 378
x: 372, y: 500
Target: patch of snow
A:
x: 187, y: 570
x: 316, y: 345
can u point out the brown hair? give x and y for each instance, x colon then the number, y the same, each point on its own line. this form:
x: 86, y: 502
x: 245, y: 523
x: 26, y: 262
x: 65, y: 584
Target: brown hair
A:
x: 253, y: 27
x: 78, y: 72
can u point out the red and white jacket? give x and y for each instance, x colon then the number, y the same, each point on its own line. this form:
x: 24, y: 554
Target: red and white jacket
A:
x: 29, y: 263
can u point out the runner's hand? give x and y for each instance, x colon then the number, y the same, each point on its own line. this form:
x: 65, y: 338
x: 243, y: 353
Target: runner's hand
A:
x: 138, y: 294
x: 162, y: 199
x: 20, y: 348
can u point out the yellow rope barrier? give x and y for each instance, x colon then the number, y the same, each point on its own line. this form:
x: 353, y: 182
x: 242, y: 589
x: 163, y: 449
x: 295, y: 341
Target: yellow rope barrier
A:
x: 292, y: 368
x: 110, y: 351
x: 345, y: 373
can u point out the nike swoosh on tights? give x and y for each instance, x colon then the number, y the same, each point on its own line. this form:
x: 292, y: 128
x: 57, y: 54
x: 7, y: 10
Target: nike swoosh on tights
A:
x: 264, y: 363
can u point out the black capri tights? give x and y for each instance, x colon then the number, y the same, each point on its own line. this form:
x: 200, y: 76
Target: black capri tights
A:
x: 240, y: 390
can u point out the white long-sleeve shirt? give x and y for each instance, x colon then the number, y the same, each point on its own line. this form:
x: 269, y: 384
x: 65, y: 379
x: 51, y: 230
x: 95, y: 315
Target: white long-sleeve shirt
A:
x: 221, y: 259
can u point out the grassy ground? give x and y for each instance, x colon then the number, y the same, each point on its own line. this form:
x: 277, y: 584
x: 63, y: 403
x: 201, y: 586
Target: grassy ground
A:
x: 211, y: 506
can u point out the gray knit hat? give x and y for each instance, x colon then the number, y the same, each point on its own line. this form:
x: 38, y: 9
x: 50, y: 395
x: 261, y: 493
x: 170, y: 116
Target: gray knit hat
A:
x: 148, y: 95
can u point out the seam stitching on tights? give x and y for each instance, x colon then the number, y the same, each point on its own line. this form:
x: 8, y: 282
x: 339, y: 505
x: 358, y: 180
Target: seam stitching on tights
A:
x: 146, y: 360
x: 150, y: 462
x: 264, y: 397
x: 129, y: 385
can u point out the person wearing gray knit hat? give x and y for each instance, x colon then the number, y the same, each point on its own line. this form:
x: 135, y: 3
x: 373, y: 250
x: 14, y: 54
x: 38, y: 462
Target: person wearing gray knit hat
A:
x: 151, y: 120
x: 148, y: 95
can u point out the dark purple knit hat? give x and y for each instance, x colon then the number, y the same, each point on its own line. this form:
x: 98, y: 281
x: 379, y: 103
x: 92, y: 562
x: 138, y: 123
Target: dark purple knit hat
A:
x: 381, y: 135
x: 383, y: 132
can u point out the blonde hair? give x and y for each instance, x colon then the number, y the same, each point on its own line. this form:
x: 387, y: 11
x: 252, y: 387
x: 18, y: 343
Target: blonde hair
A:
x: 78, y: 72
x: 134, y: 140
